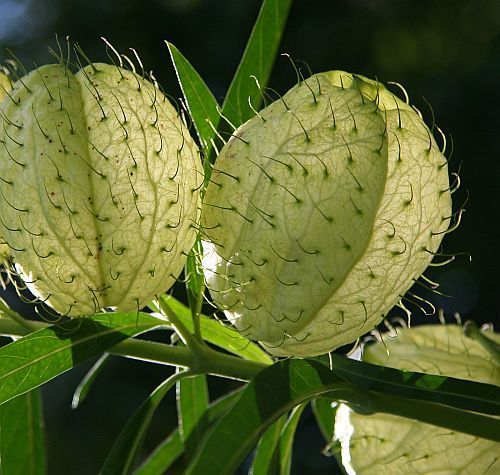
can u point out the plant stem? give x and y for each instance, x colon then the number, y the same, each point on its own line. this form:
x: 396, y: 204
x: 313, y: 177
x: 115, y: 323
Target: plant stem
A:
x: 472, y: 331
x: 153, y: 352
x: 23, y: 322
x: 220, y: 364
x: 9, y: 327
x: 210, y: 361
x: 196, y: 311
x: 196, y: 346
x: 206, y: 360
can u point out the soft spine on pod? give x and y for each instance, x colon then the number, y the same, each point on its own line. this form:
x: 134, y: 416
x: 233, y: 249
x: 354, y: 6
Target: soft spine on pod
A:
x: 321, y: 212
x: 99, y: 187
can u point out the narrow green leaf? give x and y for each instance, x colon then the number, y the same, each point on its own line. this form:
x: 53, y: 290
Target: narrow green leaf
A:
x: 287, y: 383
x: 274, y: 450
x: 266, y: 460
x: 201, y: 103
x: 172, y: 447
x: 124, y: 452
x: 325, y: 416
x: 194, y: 271
x: 22, y: 436
x: 86, y: 383
x: 257, y: 60
x: 195, y: 285
x: 220, y: 335
x: 163, y: 457
x: 439, y: 415
x: 273, y: 392
x: 287, y: 438
x: 202, y: 106
x: 467, y: 395
x: 192, y: 404
x: 40, y: 356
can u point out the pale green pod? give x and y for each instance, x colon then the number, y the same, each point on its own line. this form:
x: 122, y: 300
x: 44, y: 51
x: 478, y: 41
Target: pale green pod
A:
x: 5, y: 87
x: 99, y: 187
x: 5, y: 84
x: 382, y: 443
x: 321, y: 212
x: 4, y: 250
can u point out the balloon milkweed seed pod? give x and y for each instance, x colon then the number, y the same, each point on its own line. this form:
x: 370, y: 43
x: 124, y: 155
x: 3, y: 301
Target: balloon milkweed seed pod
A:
x: 5, y: 87
x: 99, y: 189
x: 321, y: 212
x: 396, y: 445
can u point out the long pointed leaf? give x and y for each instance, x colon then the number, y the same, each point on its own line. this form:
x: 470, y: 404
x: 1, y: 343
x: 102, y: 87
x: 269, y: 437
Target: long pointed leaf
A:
x: 195, y: 280
x: 220, y: 335
x: 86, y: 383
x: 201, y: 103
x: 266, y: 460
x: 459, y: 393
x: 172, y: 447
x: 124, y: 452
x: 257, y: 60
x: 273, y: 392
x: 287, y: 437
x: 22, y: 436
x: 288, y: 383
x: 325, y: 416
x: 163, y: 457
x: 192, y: 404
x: 40, y: 356
x: 203, y: 111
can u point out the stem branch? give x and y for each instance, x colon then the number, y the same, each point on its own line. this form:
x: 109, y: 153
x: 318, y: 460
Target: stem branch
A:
x: 206, y: 360
x: 472, y: 331
x: 185, y: 335
x: 196, y: 311
x: 14, y: 316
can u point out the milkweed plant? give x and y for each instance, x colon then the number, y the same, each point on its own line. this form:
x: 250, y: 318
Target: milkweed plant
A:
x: 296, y: 220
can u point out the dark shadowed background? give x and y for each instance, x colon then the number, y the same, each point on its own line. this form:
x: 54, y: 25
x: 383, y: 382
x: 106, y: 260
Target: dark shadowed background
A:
x: 445, y: 53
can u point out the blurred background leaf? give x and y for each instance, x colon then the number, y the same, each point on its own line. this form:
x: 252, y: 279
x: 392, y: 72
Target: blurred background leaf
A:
x: 22, y: 436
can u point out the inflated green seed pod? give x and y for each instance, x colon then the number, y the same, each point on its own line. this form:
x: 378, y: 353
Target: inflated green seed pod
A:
x: 99, y: 189
x: 382, y: 443
x: 5, y: 83
x: 321, y: 212
x: 5, y: 87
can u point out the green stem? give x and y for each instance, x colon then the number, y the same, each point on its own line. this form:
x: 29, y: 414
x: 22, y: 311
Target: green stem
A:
x: 206, y: 360
x: 196, y: 346
x: 196, y: 311
x: 152, y: 404
x: 472, y: 331
x: 220, y: 364
x: 9, y: 327
x: 209, y: 361
x: 8, y: 312
x: 153, y: 352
